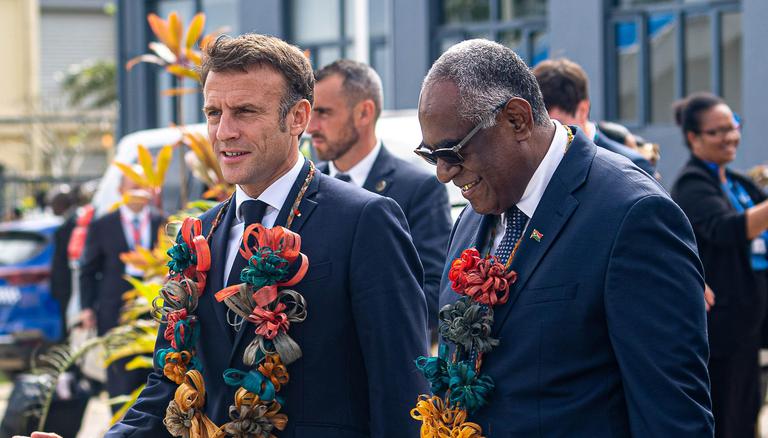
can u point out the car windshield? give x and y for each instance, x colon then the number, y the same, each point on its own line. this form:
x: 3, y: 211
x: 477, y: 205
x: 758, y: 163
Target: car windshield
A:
x: 19, y: 246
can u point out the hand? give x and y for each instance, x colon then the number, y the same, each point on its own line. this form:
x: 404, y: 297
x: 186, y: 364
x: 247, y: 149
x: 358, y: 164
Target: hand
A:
x: 709, y: 297
x: 88, y: 318
x: 40, y: 435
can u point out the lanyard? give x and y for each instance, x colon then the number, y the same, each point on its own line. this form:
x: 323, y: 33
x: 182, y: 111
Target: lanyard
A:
x: 741, y: 201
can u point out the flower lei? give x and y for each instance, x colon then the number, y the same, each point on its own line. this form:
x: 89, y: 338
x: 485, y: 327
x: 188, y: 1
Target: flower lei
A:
x: 483, y: 283
x: 274, y: 263
x: 271, y: 254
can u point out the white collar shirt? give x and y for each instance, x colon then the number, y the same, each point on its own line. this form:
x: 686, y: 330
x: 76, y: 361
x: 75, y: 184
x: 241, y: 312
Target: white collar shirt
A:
x: 274, y: 196
x: 538, y: 183
x: 359, y: 172
x: 129, y: 220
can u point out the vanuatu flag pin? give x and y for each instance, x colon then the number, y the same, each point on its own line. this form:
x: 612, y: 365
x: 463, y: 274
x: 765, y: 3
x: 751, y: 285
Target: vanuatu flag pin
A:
x: 536, y: 235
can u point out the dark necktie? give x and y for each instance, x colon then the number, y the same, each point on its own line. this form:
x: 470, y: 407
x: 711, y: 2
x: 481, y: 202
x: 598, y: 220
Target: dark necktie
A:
x: 252, y: 212
x: 514, y: 229
x: 343, y: 176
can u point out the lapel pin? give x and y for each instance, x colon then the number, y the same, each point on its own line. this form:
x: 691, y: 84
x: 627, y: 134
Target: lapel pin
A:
x: 380, y: 186
x: 536, y: 235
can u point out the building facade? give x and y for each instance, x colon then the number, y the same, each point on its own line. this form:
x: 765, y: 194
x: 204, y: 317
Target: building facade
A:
x: 640, y: 55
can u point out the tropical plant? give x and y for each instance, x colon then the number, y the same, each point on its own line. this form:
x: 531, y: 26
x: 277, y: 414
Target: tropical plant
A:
x: 206, y: 168
x: 91, y: 85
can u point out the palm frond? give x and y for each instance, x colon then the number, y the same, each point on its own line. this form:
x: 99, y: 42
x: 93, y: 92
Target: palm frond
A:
x: 52, y: 364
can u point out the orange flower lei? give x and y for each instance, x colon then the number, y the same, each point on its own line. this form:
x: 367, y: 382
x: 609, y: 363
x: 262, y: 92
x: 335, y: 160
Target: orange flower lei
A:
x: 256, y: 409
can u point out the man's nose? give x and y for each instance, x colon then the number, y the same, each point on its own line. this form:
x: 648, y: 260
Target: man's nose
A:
x: 227, y: 128
x: 313, y: 125
x: 446, y: 172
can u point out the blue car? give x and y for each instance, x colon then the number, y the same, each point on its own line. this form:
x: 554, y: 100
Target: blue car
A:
x: 29, y: 315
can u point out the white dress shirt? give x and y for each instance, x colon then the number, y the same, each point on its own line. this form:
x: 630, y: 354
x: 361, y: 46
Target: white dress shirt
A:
x: 274, y: 196
x: 127, y: 218
x: 359, y: 172
x: 538, y: 183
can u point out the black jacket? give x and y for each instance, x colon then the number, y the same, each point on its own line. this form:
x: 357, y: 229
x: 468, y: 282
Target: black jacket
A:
x: 721, y: 235
x: 101, y: 275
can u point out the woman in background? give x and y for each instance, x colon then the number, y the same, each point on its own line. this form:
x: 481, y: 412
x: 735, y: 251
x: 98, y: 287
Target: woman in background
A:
x: 729, y: 215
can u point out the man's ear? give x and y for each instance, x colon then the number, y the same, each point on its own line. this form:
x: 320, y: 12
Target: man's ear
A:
x: 365, y: 112
x: 582, y: 112
x: 518, y: 116
x: 298, y: 117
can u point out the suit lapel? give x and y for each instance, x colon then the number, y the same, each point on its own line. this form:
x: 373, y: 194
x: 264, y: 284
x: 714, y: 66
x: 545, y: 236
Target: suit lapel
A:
x: 379, y: 179
x: 306, y: 207
x: 214, y: 283
x: 555, y: 208
x: 155, y: 222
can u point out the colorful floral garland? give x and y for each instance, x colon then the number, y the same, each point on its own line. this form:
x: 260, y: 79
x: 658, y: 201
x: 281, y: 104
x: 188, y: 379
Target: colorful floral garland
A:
x: 467, y: 323
x: 274, y: 261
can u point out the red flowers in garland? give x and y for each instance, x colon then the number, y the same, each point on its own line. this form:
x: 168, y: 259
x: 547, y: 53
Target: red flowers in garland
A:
x: 485, y: 280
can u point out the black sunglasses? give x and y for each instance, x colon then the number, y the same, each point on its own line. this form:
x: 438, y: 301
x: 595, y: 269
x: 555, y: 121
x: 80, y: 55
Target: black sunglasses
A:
x: 448, y: 150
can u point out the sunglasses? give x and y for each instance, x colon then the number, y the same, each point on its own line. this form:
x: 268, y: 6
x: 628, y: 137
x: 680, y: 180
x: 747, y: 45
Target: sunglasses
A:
x: 448, y: 150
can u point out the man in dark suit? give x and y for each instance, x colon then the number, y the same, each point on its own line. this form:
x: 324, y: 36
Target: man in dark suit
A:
x: 366, y: 312
x: 102, y: 281
x: 565, y: 87
x: 603, y: 332
x: 348, y: 100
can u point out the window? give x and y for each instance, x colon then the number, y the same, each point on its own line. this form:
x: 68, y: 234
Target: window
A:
x: 518, y: 24
x: 664, y: 50
x: 326, y: 28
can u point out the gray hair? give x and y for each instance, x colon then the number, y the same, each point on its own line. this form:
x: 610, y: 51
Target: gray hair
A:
x: 359, y: 81
x: 487, y: 75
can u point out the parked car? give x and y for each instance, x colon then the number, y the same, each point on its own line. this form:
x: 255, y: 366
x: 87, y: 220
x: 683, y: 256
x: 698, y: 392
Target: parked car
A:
x: 29, y: 315
x: 398, y: 130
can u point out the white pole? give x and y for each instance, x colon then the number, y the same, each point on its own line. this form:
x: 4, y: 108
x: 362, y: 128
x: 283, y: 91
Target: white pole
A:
x: 361, y: 44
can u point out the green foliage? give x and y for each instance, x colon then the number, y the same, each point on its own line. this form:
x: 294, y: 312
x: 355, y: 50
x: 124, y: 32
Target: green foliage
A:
x: 91, y: 85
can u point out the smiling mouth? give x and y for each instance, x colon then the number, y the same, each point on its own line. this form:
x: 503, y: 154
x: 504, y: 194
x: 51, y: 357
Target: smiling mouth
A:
x: 233, y: 154
x: 469, y: 185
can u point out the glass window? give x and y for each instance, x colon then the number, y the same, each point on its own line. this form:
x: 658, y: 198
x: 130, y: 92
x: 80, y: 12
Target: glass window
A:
x: 221, y: 14
x: 627, y: 61
x: 315, y: 21
x: 628, y: 3
x: 698, y: 53
x: 512, y: 39
x: 19, y: 246
x: 662, y: 40
x: 378, y: 14
x: 540, y: 48
x: 326, y: 55
x: 513, y: 9
x: 730, y: 45
x: 463, y: 11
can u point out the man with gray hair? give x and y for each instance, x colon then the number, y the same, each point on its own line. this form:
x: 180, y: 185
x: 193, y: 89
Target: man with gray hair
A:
x: 348, y: 101
x: 587, y: 320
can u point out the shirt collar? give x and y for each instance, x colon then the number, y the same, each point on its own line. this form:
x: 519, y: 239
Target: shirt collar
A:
x: 359, y: 172
x: 534, y: 191
x: 274, y: 195
x: 128, y: 215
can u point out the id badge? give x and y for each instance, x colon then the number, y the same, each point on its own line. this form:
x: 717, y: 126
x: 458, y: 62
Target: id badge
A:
x: 758, y: 246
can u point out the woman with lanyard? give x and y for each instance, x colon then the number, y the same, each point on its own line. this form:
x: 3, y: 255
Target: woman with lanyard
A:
x: 729, y: 215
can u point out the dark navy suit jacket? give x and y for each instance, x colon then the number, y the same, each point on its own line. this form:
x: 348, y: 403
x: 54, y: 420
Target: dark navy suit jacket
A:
x: 366, y: 323
x: 604, y: 333
x: 101, y: 273
x: 424, y: 201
